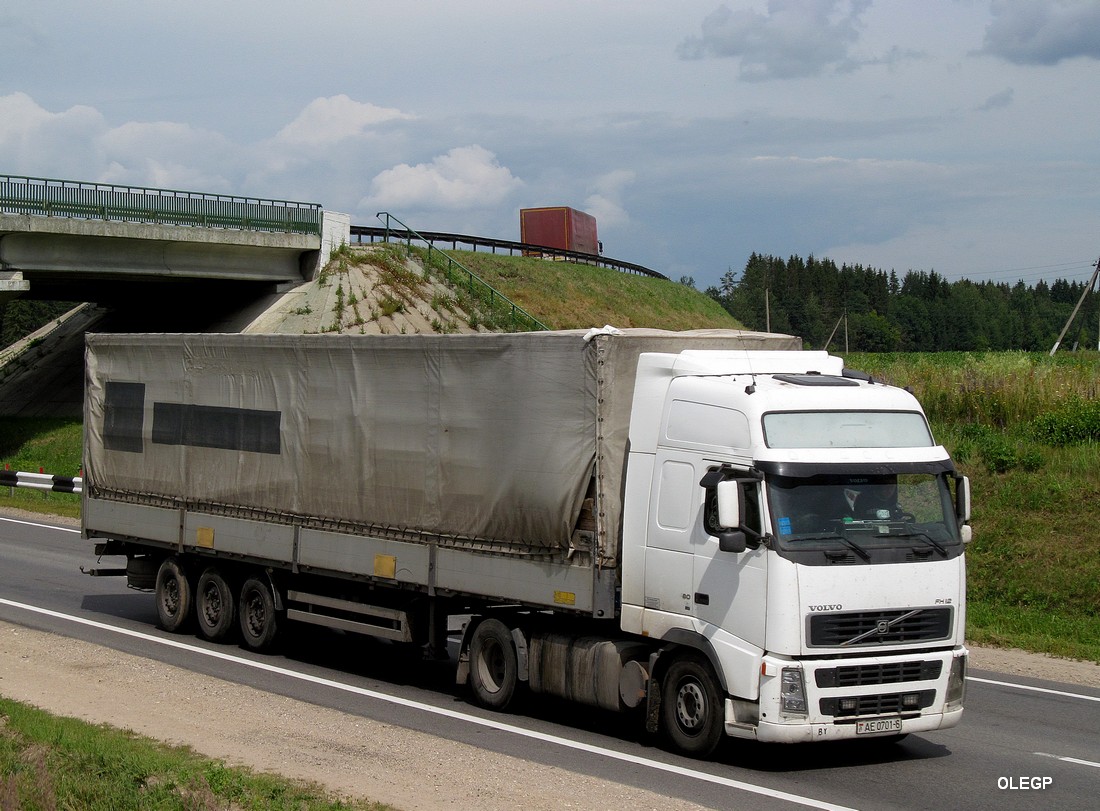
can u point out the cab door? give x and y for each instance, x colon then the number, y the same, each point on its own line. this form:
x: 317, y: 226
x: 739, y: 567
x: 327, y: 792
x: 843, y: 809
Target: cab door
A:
x: 730, y: 589
x: 673, y: 526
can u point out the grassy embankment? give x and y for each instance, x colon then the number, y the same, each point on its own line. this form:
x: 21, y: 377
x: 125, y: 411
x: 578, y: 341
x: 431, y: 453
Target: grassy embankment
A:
x: 564, y: 295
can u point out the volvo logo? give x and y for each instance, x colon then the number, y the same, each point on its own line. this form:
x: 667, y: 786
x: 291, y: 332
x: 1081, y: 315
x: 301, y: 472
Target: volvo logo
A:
x: 882, y: 627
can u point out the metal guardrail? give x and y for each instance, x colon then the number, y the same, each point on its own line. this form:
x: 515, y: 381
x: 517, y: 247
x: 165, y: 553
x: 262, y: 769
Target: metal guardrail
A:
x: 431, y: 237
x: 42, y: 481
x: 105, y: 201
x: 461, y: 276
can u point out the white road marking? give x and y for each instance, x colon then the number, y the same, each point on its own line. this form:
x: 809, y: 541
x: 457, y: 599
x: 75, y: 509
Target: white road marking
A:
x: 1078, y: 761
x: 43, y: 526
x: 404, y: 702
x: 1034, y: 689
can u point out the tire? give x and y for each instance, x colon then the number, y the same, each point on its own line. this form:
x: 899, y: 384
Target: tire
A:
x: 174, y: 596
x: 692, y: 712
x: 494, y: 667
x: 259, y: 621
x: 215, y: 605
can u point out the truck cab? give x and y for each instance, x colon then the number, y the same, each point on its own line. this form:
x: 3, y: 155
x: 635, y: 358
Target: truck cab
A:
x: 794, y: 536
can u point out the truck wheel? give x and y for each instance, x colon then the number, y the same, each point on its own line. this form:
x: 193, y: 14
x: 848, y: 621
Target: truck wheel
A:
x: 173, y: 596
x: 494, y: 668
x: 259, y: 619
x: 215, y: 605
x: 691, y: 708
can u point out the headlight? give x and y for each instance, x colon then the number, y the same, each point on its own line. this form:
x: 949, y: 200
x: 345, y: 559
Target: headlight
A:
x: 792, y: 692
x: 956, y: 684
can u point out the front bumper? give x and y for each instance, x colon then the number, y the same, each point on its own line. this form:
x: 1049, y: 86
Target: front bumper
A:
x: 912, y: 691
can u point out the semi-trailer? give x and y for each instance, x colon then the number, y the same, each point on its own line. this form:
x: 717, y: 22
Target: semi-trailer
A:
x: 715, y: 530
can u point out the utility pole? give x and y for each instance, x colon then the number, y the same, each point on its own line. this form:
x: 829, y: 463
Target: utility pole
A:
x: 836, y: 326
x: 1080, y: 301
x: 767, y: 310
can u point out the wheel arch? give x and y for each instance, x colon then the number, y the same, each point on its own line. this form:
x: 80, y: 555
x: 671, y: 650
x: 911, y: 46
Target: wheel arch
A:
x: 675, y: 642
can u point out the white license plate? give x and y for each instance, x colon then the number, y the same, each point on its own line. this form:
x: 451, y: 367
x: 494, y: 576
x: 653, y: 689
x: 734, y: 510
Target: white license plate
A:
x: 878, y: 725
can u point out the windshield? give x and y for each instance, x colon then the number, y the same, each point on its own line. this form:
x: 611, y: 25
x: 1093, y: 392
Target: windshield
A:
x: 861, y: 512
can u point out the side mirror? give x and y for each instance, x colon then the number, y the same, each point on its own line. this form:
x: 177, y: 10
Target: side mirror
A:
x: 732, y: 541
x: 730, y: 507
x: 962, y: 497
x: 962, y: 507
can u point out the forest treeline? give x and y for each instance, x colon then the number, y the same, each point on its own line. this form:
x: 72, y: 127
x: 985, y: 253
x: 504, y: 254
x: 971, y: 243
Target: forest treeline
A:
x: 21, y: 317
x: 919, y: 312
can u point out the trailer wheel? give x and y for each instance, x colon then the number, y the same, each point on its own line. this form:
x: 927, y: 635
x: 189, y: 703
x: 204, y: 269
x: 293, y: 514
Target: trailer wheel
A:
x: 215, y: 605
x: 691, y: 707
x: 494, y: 667
x: 173, y: 596
x: 259, y: 620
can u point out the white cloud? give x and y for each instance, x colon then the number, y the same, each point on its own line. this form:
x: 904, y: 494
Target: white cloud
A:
x: 35, y: 141
x: 465, y: 177
x: 326, y: 121
x: 605, y: 203
x: 165, y: 154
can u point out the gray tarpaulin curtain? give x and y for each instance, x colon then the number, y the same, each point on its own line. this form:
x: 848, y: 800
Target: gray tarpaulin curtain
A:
x: 490, y: 437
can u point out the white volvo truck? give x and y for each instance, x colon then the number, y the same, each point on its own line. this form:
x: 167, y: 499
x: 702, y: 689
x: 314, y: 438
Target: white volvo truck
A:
x: 717, y: 531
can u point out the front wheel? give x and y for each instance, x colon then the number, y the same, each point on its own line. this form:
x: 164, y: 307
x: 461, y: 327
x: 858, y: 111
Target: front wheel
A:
x: 494, y: 666
x: 691, y: 708
x: 259, y: 620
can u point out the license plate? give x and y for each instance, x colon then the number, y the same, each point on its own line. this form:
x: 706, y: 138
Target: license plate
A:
x: 877, y: 725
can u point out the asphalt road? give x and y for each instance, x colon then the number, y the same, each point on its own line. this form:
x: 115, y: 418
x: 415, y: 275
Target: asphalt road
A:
x: 1023, y: 743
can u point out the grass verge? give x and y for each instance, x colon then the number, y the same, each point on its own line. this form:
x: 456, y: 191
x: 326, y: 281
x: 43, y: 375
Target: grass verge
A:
x: 55, y: 446
x: 48, y: 763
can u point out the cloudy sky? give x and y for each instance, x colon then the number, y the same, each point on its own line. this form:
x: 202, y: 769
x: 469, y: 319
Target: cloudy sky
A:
x: 961, y: 136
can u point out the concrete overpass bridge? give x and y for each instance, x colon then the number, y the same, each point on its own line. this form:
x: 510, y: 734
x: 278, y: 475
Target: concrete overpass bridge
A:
x: 73, y: 241
x: 142, y: 259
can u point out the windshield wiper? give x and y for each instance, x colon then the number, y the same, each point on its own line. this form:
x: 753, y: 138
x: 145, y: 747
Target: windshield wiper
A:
x: 832, y: 535
x: 855, y: 547
x: 928, y: 539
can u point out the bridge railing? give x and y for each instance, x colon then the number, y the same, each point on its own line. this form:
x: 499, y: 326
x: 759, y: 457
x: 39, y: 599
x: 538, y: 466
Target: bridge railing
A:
x: 106, y: 201
x: 373, y: 232
x: 460, y: 276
